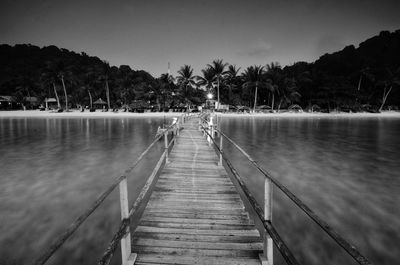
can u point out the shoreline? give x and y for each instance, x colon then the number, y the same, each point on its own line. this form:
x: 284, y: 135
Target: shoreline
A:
x: 99, y: 114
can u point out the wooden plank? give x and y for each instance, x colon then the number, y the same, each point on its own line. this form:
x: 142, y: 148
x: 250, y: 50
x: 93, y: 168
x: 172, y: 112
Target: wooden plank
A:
x: 200, y: 238
x: 196, y: 211
x: 197, y: 226
x: 195, y: 252
x: 177, y: 199
x: 193, y: 179
x: 192, y: 175
x: 197, y: 204
x: 197, y: 244
x: 191, y: 195
x: 227, y: 232
x: 196, y: 220
x: 144, y: 259
x: 197, y: 216
x: 193, y: 182
x: 199, y: 190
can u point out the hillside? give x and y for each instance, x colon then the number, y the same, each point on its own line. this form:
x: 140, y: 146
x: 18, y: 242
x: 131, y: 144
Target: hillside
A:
x: 351, y: 79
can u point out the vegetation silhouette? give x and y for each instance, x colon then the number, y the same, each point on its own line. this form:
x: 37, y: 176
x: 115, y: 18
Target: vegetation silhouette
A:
x: 366, y: 78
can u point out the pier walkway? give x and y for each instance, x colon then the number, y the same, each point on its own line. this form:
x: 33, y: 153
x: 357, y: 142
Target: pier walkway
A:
x: 191, y: 212
x: 195, y: 214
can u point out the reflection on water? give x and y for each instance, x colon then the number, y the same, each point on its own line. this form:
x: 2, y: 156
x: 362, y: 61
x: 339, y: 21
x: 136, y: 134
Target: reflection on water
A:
x: 346, y: 170
x: 53, y: 169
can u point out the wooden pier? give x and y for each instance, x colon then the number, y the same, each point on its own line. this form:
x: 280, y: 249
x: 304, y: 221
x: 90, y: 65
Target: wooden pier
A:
x: 195, y: 214
x: 190, y: 211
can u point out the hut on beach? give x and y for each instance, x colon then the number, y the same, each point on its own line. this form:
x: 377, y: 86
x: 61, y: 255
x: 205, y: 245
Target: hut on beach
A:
x: 51, y: 103
x: 295, y: 108
x: 31, y: 102
x: 7, y: 102
x: 99, y: 104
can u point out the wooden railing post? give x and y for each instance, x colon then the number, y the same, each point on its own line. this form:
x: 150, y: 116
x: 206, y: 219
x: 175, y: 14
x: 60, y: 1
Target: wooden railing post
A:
x: 220, y: 148
x: 267, y: 258
x: 166, y: 145
x: 126, y: 255
x: 210, y: 131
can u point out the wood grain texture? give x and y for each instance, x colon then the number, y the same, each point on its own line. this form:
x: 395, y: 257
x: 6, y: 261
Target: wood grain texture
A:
x: 195, y: 214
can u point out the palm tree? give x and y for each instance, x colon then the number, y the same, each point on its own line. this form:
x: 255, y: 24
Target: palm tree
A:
x: 104, y: 75
x: 62, y: 70
x: 254, y: 77
x: 207, y: 80
x: 392, y: 78
x: 89, y: 82
x: 274, y: 77
x: 186, y: 79
x: 165, y: 86
x: 289, y: 93
x: 218, y: 68
x: 232, y: 79
x: 50, y: 77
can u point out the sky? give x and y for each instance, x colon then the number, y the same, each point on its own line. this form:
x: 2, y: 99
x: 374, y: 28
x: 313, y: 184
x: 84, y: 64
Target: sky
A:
x: 148, y: 34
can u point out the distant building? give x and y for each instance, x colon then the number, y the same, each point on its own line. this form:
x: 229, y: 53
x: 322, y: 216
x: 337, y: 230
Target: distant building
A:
x: 99, y: 104
x: 7, y: 103
x: 31, y: 102
x: 51, y: 103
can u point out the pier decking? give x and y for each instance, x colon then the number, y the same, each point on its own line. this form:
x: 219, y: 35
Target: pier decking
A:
x: 195, y: 215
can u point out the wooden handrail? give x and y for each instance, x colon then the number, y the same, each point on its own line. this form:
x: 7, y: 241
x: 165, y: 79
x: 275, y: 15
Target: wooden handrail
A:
x: 278, y: 241
x: 60, y: 240
x: 350, y: 249
x: 75, y: 225
x: 122, y: 230
x: 106, y: 258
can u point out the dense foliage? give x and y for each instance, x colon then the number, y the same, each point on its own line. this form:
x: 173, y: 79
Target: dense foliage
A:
x: 354, y: 79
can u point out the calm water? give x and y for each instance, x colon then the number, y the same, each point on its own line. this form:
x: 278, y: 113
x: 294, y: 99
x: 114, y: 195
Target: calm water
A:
x: 346, y: 170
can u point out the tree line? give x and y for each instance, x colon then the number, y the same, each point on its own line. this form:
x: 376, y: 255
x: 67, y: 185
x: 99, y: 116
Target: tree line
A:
x: 363, y: 78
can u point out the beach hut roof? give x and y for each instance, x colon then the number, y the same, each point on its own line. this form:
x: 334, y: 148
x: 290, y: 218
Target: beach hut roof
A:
x: 51, y: 100
x: 6, y: 98
x: 243, y: 108
x: 263, y: 107
x: 100, y: 102
x: 295, y: 107
x: 31, y: 99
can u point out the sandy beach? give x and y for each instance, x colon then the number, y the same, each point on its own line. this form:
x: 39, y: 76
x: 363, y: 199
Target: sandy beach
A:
x: 100, y: 114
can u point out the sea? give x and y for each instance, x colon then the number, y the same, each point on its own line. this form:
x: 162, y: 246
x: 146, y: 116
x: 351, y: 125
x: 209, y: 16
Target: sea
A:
x: 346, y: 169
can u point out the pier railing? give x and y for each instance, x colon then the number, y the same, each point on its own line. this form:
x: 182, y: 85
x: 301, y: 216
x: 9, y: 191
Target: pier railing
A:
x: 210, y: 129
x: 122, y: 236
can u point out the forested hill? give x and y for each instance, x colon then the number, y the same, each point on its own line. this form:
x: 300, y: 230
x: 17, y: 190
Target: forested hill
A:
x: 350, y: 79
x: 27, y: 70
x: 353, y: 75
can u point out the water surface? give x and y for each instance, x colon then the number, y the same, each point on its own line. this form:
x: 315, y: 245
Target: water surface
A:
x: 52, y: 169
x: 345, y: 169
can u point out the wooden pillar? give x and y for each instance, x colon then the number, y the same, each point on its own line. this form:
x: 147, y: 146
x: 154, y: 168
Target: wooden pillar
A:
x: 220, y: 148
x: 178, y: 126
x: 210, y: 130
x: 166, y: 145
x: 126, y: 255
x: 267, y: 258
x: 216, y: 125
